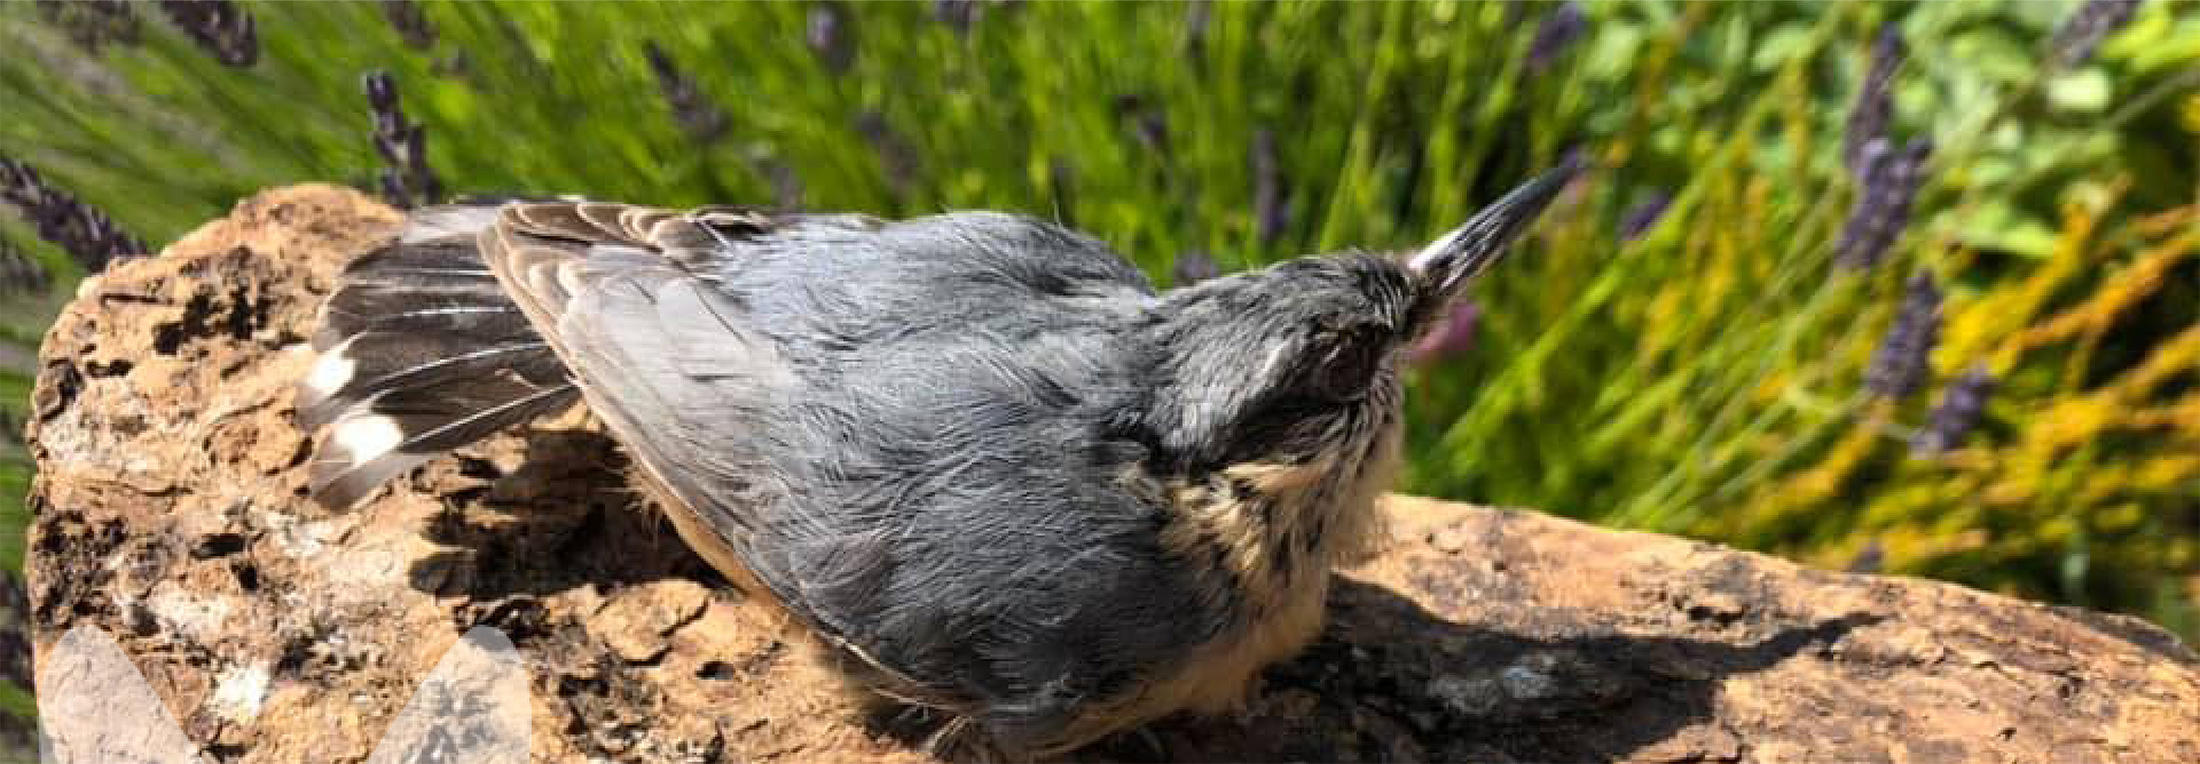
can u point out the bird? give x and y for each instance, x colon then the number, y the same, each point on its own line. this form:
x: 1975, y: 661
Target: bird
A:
x: 996, y: 474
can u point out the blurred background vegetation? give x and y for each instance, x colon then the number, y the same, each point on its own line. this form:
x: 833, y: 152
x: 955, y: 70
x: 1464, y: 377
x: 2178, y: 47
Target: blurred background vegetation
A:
x: 1903, y: 286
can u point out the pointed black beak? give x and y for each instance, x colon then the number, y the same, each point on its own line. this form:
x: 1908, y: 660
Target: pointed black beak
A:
x: 1458, y: 256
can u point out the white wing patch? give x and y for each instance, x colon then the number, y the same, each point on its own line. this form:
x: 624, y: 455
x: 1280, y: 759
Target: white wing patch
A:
x: 364, y: 438
x: 331, y: 370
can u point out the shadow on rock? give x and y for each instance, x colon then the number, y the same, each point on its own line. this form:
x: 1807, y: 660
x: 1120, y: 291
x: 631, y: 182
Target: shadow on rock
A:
x: 565, y: 518
x: 1391, y: 681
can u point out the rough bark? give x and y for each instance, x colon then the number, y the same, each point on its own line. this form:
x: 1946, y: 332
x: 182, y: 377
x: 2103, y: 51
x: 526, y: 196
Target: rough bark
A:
x: 170, y: 514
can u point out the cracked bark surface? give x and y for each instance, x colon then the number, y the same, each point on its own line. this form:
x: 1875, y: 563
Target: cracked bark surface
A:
x: 171, y: 514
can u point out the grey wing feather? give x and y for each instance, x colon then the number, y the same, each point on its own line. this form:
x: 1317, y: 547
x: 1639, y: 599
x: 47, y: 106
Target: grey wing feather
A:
x: 420, y: 351
x: 678, y: 368
x: 664, y: 358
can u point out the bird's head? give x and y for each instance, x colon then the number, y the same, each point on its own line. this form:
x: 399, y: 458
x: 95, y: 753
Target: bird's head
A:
x: 1289, y: 363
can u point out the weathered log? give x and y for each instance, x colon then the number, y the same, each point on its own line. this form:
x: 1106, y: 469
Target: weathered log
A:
x: 170, y: 513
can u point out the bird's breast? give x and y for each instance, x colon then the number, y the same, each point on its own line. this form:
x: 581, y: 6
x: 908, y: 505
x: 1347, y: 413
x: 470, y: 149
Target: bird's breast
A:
x: 1260, y: 541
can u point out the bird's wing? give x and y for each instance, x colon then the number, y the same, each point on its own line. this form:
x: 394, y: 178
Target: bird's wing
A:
x: 674, y: 365
x: 419, y: 351
x: 677, y: 363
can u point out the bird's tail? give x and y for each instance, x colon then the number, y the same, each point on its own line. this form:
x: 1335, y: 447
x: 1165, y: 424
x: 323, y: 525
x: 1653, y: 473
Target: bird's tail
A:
x: 420, y: 352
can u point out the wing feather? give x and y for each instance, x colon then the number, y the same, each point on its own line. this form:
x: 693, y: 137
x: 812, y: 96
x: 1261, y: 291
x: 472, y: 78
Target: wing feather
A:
x: 661, y: 355
x: 420, y: 350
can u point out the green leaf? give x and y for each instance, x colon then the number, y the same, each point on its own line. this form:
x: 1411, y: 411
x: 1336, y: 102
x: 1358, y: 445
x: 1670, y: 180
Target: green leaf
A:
x: 1612, y: 51
x: 1992, y: 53
x: 1779, y: 45
x: 1999, y: 226
x: 2156, y: 39
x: 2085, y: 91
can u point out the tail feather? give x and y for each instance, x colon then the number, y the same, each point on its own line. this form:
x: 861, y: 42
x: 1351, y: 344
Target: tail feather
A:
x: 420, y: 351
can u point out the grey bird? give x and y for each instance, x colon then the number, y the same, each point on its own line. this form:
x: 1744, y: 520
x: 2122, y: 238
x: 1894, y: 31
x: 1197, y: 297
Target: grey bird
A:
x: 978, y: 455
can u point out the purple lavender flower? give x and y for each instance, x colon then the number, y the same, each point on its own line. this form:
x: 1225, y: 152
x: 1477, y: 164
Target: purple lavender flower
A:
x: 219, y: 26
x: 1563, y: 26
x: 1869, y: 559
x: 15, y: 643
x: 20, y: 273
x: 2093, y: 22
x: 832, y: 36
x: 1147, y: 122
x: 1899, y: 367
x: 1874, y: 101
x: 407, y: 181
x: 1888, y: 183
x: 411, y: 23
x: 894, y: 152
x: 959, y: 15
x: 91, y: 24
x: 87, y: 234
x: 1193, y: 266
x: 1960, y: 406
x: 786, y: 185
x: 1639, y: 219
x: 702, y: 120
x: 1197, y: 14
x: 1452, y: 335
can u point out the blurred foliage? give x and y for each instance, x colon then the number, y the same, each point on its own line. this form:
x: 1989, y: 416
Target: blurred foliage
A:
x: 1699, y: 373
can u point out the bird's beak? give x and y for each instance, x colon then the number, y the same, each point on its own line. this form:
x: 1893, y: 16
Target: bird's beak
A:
x: 1458, y: 256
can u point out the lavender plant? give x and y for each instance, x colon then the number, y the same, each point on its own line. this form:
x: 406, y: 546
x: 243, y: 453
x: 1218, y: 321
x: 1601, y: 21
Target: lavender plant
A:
x: 93, y: 24
x: 1888, y: 181
x: 1556, y: 34
x: 959, y: 15
x: 1899, y: 367
x: 411, y: 23
x: 895, y: 153
x: 1193, y: 266
x: 832, y: 36
x: 2080, y: 34
x: 1453, y: 335
x: 1874, y: 105
x: 1959, y: 409
x: 219, y: 26
x: 1145, y: 121
x: 86, y: 233
x: 407, y: 181
x: 1193, y: 40
x: 785, y: 182
x: 20, y: 273
x: 1644, y: 215
x: 702, y: 119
